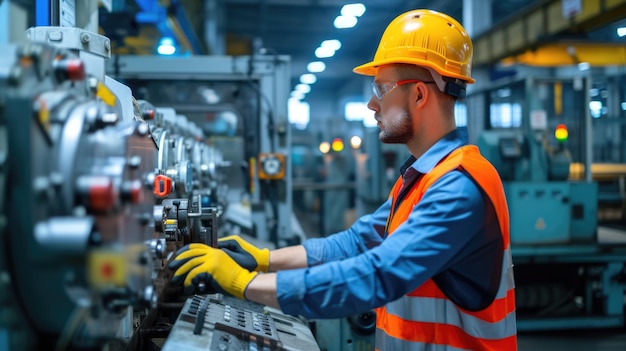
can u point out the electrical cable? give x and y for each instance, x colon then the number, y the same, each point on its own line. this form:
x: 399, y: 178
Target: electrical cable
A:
x: 557, y: 304
x: 272, y: 134
x: 270, y: 109
x: 274, y: 206
x: 270, y: 113
x: 10, y: 266
x: 138, y: 115
x: 70, y: 328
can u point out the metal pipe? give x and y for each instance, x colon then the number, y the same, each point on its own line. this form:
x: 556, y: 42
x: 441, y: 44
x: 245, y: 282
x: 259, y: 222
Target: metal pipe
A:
x: 155, y: 332
x: 323, y: 186
x: 588, y: 131
x: 171, y: 305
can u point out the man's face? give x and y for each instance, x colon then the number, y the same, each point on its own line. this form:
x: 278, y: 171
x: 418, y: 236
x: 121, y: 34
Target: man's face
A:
x: 392, y: 110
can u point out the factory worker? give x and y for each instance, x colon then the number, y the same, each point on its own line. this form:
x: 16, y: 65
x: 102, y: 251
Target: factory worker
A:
x: 434, y: 260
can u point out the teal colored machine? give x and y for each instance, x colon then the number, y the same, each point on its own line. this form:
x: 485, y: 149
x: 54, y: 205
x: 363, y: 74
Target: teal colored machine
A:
x: 566, y: 276
x: 544, y: 206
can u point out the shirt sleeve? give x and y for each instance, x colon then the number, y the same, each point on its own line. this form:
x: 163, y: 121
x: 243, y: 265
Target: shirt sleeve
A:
x: 450, y: 215
x: 366, y: 233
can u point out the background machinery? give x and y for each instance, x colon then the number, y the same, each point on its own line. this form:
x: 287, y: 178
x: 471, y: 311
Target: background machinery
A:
x: 569, y: 273
x: 239, y: 103
x: 98, y: 189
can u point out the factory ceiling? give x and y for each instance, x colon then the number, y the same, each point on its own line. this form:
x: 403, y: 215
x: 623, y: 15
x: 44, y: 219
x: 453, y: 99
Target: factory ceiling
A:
x: 297, y: 27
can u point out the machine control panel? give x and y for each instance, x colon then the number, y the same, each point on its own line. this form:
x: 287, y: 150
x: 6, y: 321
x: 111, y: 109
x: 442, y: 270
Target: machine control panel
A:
x: 218, y: 322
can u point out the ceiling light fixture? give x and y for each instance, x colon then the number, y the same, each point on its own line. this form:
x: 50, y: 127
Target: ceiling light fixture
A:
x: 297, y: 95
x: 324, y: 52
x: 303, y: 88
x: 356, y: 10
x: 316, y: 67
x: 621, y: 31
x: 308, y: 78
x: 342, y: 22
x: 332, y: 44
x: 299, y: 113
x: 166, y: 46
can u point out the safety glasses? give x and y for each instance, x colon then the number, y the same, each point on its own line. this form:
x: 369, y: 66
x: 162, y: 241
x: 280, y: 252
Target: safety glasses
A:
x: 380, y: 89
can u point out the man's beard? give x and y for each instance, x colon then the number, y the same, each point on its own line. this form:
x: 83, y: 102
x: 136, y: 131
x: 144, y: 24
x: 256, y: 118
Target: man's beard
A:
x: 397, y: 131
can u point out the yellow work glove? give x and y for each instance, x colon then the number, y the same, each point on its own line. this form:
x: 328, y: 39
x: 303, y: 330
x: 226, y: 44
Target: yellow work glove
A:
x: 200, y: 267
x: 245, y: 254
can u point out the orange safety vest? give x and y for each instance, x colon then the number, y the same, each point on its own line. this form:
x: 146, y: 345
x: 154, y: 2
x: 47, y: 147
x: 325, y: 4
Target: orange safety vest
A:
x: 426, y: 319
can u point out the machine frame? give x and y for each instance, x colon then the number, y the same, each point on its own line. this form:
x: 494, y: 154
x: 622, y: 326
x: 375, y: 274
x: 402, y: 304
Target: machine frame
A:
x: 270, y: 197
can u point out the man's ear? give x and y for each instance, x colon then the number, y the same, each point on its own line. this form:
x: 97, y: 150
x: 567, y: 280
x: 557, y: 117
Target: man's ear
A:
x: 421, y: 92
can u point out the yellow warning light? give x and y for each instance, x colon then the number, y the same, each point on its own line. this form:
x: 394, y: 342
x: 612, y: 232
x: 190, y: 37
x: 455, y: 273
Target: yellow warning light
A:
x: 560, y: 133
x: 337, y: 145
x: 106, y: 268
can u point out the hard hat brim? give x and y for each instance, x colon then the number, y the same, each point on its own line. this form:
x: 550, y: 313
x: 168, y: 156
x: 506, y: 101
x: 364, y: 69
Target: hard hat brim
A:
x: 371, y: 68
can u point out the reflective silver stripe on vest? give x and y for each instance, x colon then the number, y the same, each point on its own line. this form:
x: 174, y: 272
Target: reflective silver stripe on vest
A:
x: 506, y: 282
x: 385, y: 342
x: 444, y: 311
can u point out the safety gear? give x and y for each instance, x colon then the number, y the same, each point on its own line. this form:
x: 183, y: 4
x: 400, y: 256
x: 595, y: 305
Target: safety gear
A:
x: 427, y: 315
x: 245, y: 254
x: 200, y: 267
x: 381, y: 88
x: 424, y: 38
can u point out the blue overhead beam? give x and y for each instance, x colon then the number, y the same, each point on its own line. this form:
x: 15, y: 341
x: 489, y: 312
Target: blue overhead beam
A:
x: 171, y: 22
x: 186, y: 28
x: 42, y: 13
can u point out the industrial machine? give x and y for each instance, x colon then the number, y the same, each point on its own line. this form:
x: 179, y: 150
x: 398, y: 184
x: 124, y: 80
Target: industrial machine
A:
x: 544, y: 206
x: 99, y: 188
x: 76, y: 244
x: 240, y: 105
x: 567, y: 274
x: 218, y: 322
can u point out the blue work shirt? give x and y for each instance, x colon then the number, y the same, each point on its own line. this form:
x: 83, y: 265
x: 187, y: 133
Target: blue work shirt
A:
x: 451, y: 235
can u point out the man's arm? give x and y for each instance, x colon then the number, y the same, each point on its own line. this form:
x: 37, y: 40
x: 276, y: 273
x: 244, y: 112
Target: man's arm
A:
x: 290, y: 257
x: 262, y: 289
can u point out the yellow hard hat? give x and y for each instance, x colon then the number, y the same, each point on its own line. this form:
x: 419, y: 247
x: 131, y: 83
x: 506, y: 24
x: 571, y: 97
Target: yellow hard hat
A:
x: 424, y: 38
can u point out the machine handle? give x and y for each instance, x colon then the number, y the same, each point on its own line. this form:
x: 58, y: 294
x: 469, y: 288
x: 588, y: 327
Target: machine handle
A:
x: 162, y: 185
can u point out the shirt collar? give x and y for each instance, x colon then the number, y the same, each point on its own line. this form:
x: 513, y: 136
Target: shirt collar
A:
x: 437, y: 152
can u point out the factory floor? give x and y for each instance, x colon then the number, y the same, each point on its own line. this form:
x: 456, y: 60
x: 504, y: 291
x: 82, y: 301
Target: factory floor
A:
x: 573, y: 340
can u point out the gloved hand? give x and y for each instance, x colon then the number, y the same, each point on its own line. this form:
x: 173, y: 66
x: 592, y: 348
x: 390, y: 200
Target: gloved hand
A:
x: 199, y: 266
x: 245, y: 254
